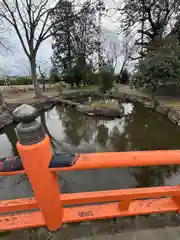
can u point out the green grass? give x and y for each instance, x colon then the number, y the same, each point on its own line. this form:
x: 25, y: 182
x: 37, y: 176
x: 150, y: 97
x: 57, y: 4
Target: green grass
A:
x: 86, y: 87
x: 104, y: 105
x: 173, y: 104
x: 4, y: 234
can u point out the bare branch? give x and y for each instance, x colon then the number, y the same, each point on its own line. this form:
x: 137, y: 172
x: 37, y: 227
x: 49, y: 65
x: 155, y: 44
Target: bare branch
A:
x: 42, y: 35
x: 146, y: 33
x: 40, y: 13
x: 22, y: 20
x: 26, y: 16
x: 13, y: 21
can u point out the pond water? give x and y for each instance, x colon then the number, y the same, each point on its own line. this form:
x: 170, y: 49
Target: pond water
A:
x: 72, y: 131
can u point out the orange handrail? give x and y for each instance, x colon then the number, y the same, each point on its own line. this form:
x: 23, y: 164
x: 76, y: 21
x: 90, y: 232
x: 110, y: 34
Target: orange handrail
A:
x: 124, y: 159
x: 52, y: 209
x: 117, y: 160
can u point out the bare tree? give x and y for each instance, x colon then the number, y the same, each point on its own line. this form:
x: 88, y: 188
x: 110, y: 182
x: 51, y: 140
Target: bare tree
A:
x: 128, y: 51
x: 31, y: 21
x: 150, y: 21
x: 43, y: 71
x: 113, y: 56
x: 23, y: 66
x: 117, y: 48
x: 3, y: 41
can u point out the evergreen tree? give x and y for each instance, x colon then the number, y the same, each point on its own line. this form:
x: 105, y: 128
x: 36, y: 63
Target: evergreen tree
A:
x: 75, y: 36
x: 63, y: 27
x: 125, y: 76
x: 148, y: 20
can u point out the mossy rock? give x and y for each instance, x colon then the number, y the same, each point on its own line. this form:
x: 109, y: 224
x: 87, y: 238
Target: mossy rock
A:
x: 102, y: 108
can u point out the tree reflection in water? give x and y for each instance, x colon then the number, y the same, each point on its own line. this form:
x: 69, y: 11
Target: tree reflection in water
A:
x: 76, y: 127
x: 143, y: 131
x: 12, y: 137
x: 72, y: 131
x: 153, y: 175
x: 102, y: 135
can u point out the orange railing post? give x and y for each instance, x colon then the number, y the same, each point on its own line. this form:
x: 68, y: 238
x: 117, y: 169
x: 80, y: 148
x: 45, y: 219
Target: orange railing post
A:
x: 35, y: 150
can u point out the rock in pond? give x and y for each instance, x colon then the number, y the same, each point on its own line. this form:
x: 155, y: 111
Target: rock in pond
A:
x: 174, y: 115
x: 162, y: 109
x: 106, y: 112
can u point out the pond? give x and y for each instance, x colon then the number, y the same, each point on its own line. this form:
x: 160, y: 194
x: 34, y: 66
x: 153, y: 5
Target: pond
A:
x: 72, y: 131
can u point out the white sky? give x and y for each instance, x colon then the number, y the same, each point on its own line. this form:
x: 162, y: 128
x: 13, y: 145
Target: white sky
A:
x: 15, y: 61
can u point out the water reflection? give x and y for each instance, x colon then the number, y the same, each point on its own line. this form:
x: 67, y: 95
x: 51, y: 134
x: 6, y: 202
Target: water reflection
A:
x: 102, y: 135
x: 154, y: 175
x: 72, y: 131
x: 78, y: 130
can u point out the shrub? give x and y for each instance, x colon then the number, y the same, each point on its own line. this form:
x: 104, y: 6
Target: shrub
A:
x: 59, y: 87
x: 124, y: 76
x: 116, y: 78
x: 92, y: 79
x: 161, y: 65
x: 106, y: 81
x: 104, y: 105
x: 54, y: 76
x: 106, y: 76
x: 21, y: 81
x: 2, y: 82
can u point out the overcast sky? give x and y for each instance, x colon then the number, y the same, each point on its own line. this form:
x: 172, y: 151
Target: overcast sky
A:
x: 15, y: 62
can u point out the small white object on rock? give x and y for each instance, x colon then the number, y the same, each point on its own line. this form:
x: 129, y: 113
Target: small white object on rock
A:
x: 89, y: 99
x: 128, y: 108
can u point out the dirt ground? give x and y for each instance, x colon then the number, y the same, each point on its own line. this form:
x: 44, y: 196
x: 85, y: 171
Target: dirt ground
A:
x: 25, y: 94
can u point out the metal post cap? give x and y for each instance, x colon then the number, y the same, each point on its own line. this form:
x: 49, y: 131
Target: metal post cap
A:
x: 25, y: 113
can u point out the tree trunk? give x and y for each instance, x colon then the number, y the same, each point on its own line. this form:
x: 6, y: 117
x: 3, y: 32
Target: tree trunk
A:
x: 44, y: 84
x: 84, y: 82
x: 154, y: 87
x: 12, y: 137
x: 69, y: 47
x: 1, y: 99
x: 34, y: 78
x: 3, y: 103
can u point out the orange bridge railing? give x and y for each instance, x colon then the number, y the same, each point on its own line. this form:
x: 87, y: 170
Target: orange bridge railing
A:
x: 50, y: 208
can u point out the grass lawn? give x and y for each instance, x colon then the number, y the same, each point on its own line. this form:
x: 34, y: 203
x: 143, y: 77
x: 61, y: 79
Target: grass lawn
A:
x: 86, y: 87
x: 104, y: 105
x: 173, y: 104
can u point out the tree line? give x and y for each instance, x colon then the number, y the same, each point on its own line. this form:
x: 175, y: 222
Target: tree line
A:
x: 156, y: 27
x: 149, y: 29
x: 76, y: 29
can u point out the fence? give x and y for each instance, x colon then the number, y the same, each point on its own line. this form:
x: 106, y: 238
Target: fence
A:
x: 52, y: 209
x: 56, y: 208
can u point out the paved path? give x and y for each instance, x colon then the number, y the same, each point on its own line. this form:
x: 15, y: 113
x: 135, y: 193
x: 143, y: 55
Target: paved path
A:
x: 27, y: 96
x: 170, y: 101
x: 148, y: 234
x: 154, y: 227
